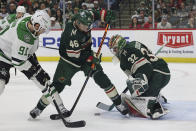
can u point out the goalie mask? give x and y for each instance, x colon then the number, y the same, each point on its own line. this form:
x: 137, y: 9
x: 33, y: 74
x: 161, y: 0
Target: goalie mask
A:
x: 116, y: 44
x: 84, y: 20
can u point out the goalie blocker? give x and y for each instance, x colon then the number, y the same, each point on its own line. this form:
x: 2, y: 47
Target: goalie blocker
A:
x: 145, y: 107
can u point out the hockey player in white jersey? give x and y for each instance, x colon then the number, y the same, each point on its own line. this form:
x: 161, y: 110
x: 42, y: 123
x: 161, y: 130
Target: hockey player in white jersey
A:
x: 18, y: 45
x: 5, y: 23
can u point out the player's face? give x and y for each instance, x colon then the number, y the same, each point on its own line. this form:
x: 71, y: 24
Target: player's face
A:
x: 36, y: 26
x: 83, y: 27
x: 114, y: 50
x: 19, y: 15
x: 113, y: 45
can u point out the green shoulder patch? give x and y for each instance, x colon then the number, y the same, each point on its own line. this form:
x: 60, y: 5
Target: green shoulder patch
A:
x: 11, y: 18
x: 23, y: 33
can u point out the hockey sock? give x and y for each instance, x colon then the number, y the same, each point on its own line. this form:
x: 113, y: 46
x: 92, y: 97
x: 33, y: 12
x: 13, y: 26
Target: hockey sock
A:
x: 42, y: 103
x: 113, y: 94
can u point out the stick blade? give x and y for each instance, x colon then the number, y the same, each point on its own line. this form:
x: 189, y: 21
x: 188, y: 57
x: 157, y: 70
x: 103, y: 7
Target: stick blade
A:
x: 103, y: 106
x: 57, y: 116
x: 75, y: 124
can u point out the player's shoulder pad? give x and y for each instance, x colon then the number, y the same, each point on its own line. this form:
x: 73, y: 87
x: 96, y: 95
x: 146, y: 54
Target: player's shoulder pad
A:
x: 69, y: 25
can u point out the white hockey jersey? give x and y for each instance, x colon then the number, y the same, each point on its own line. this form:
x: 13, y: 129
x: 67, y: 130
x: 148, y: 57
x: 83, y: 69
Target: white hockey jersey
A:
x: 17, y: 42
x: 4, y: 23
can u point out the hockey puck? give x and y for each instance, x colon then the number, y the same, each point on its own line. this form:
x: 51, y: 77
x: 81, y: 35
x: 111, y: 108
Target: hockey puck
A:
x: 97, y: 114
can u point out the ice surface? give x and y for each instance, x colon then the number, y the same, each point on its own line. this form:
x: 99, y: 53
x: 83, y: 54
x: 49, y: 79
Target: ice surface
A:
x: 21, y: 95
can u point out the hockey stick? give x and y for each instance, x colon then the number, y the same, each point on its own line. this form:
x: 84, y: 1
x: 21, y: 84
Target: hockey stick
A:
x: 75, y: 124
x: 106, y: 107
x: 49, y: 47
x: 158, y: 51
x: 103, y: 106
x: 56, y: 116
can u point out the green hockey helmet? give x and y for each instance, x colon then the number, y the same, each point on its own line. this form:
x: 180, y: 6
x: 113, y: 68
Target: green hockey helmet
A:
x: 116, y: 43
x: 85, y: 19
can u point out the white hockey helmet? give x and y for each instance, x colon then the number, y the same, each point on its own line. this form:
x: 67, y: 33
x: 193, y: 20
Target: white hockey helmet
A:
x: 42, y: 18
x: 21, y: 9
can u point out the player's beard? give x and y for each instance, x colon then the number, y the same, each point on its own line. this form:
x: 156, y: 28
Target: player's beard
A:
x: 31, y: 29
x: 35, y: 33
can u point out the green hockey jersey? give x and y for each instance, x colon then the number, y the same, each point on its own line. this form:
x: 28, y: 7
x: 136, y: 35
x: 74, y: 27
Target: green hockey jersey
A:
x: 75, y: 45
x: 5, y: 23
x: 135, y: 58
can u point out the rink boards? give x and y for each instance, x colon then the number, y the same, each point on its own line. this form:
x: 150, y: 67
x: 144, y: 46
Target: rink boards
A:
x: 176, y: 45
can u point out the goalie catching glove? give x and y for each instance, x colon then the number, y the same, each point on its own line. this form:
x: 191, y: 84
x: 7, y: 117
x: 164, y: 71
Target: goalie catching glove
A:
x: 138, y: 85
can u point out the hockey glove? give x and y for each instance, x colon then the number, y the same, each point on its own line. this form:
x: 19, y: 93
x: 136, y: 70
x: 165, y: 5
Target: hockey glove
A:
x: 138, y: 85
x: 92, y: 59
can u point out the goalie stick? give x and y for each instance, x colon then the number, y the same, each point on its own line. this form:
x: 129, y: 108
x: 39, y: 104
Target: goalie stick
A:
x: 158, y: 51
x: 57, y: 116
x: 106, y: 107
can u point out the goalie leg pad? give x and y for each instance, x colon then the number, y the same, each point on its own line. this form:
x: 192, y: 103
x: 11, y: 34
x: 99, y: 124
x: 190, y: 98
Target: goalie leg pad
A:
x: 146, y: 107
x: 162, y: 99
x: 137, y: 106
x: 156, y: 110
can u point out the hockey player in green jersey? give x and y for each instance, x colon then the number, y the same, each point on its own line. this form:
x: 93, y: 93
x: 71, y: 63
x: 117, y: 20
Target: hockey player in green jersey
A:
x: 76, y: 55
x: 20, y: 12
x: 147, y: 75
x: 18, y: 44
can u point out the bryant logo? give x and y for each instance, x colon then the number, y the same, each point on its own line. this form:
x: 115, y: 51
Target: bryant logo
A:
x: 175, y: 39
